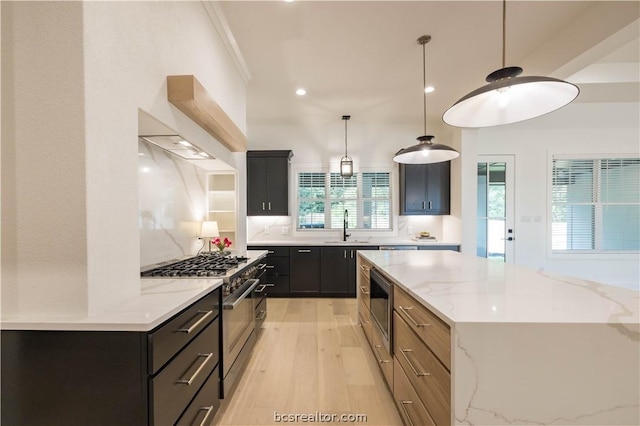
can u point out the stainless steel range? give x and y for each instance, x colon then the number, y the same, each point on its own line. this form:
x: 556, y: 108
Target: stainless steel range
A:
x: 243, y: 300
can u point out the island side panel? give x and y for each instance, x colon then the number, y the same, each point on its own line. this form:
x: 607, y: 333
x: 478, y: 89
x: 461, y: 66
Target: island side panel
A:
x: 546, y: 373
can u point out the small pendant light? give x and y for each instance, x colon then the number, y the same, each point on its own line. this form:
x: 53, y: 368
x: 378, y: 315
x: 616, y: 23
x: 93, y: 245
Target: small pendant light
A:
x: 509, y: 98
x: 346, y: 163
x: 425, y: 151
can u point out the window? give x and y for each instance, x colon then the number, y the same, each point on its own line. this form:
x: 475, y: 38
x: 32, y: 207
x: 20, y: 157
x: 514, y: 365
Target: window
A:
x: 324, y: 197
x: 595, y: 205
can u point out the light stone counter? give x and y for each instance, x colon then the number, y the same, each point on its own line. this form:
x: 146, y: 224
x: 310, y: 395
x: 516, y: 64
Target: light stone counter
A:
x: 527, y: 347
x: 159, y: 300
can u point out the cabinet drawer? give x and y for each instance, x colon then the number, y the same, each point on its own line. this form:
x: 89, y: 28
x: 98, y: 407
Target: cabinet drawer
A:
x: 425, y: 324
x: 276, y: 285
x: 175, y: 386
x: 385, y: 361
x: 413, y: 412
x: 364, y: 317
x: 277, y: 266
x: 272, y: 250
x: 204, y: 406
x: 427, y: 375
x: 363, y: 268
x: 166, y: 341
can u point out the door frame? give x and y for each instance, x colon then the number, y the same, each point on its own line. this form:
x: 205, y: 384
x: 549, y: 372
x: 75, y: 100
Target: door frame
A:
x: 510, y: 191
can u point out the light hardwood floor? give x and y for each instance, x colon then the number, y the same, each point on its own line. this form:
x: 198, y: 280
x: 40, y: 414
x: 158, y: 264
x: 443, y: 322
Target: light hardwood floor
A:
x: 312, y: 357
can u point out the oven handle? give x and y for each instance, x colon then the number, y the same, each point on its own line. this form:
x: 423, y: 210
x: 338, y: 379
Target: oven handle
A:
x: 247, y: 292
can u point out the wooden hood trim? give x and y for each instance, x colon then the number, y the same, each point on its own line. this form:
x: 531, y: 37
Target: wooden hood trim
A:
x: 190, y: 97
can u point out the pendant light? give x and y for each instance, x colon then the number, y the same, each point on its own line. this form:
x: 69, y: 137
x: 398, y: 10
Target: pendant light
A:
x: 425, y: 151
x: 509, y: 98
x: 346, y: 163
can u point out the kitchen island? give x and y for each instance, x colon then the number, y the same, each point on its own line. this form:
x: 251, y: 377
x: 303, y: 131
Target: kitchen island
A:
x: 526, y: 347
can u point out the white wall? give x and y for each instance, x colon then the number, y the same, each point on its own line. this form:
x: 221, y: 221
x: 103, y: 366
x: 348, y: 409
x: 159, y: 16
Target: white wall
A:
x: 576, y: 129
x: 78, y: 74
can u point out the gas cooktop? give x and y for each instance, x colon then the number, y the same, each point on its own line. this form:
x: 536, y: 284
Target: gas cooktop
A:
x: 204, y: 265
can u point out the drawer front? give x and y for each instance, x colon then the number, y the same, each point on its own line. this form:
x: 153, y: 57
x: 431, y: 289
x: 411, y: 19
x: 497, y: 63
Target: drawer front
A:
x: 272, y: 250
x: 204, y: 406
x: 364, y: 317
x: 412, y: 410
x: 175, y: 386
x: 429, y: 327
x: 276, y: 285
x: 165, y: 342
x: 364, y: 284
x: 364, y: 268
x: 427, y: 375
x: 277, y: 266
x: 385, y: 361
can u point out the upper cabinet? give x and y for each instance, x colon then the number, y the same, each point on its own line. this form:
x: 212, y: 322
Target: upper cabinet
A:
x: 268, y: 183
x: 425, y: 188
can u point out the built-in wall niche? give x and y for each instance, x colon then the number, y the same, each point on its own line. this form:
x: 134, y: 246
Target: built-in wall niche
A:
x: 222, y: 203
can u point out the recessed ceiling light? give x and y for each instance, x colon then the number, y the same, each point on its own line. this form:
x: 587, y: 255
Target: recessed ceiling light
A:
x: 184, y: 143
x: 301, y: 92
x: 429, y: 89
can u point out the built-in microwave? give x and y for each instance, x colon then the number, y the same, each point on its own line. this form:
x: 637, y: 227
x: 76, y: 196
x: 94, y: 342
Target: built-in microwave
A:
x: 381, y: 305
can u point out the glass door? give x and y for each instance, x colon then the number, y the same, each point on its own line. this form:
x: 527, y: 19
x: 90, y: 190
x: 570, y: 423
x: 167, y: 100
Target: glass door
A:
x: 495, y: 232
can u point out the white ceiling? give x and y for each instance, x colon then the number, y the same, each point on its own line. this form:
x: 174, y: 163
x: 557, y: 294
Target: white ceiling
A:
x: 361, y: 57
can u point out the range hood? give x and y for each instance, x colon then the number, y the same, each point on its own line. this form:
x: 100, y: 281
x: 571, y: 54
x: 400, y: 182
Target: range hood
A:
x: 177, y: 145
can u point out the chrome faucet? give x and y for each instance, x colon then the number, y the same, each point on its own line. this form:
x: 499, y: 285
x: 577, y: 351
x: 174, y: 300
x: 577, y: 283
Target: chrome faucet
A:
x: 346, y: 225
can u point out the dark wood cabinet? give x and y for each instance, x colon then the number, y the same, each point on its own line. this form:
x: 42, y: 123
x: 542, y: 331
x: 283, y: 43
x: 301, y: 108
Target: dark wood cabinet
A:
x: 268, y: 183
x: 277, y: 264
x: 425, y: 188
x: 338, y: 271
x: 115, y: 377
x: 305, y: 271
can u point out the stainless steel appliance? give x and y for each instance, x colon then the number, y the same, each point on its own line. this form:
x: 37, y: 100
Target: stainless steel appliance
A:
x: 243, y: 301
x: 381, y: 305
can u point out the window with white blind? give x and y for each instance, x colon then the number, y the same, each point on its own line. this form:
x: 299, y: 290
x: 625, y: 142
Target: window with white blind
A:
x: 323, y: 199
x: 595, y: 205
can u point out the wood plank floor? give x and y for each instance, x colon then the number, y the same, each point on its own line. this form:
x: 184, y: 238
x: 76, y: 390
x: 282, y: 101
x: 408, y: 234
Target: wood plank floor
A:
x: 312, y: 357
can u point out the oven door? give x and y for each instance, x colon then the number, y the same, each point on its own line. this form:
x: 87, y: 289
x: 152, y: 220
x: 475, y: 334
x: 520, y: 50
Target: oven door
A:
x: 382, y: 305
x: 238, y: 322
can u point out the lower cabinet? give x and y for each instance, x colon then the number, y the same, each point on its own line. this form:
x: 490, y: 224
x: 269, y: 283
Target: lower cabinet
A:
x: 338, y: 271
x: 305, y: 271
x: 421, y: 351
x: 277, y: 264
x: 166, y: 376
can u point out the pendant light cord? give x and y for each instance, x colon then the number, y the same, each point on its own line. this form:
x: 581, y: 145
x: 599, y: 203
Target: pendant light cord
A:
x: 345, y: 118
x: 504, y: 32
x: 424, y: 86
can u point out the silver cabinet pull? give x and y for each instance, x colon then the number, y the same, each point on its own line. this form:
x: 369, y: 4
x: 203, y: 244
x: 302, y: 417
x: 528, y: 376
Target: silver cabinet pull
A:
x: 352, y: 253
x: 195, y: 325
x: 413, y: 368
x: 363, y: 290
x: 263, y: 205
x: 269, y: 205
x: 208, y: 410
x: 380, y: 360
x: 270, y: 266
x: 429, y: 205
x: 260, y: 288
x: 345, y: 254
x: 304, y: 251
x: 270, y: 252
x: 423, y: 205
x: 415, y: 323
x: 270, y: 285
x: 262, y: 315
x: 363, y: 268
x: 190, y: 380
x: 403, y: 404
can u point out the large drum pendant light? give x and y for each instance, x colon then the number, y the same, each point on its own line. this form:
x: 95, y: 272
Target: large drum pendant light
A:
x: 509, y: 98
x: 425, y: 151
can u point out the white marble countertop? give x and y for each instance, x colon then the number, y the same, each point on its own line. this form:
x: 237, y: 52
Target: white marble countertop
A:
x: 467, y: 289
x: 353, y: 242
x: 159, y: 300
